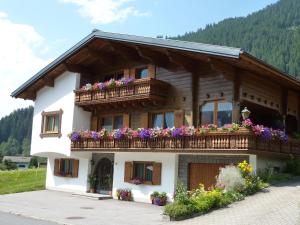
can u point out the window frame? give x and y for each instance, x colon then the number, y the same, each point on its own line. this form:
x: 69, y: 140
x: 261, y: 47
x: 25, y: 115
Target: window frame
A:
x: 145, y: 166
x: 45, y: 115
x: 58, y: 171
x: 140, y: 69
x: 216, y: 110
x: 113, y: 120
x: 164, y: 117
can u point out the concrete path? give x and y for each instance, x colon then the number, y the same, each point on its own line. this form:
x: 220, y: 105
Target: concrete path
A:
x: 10, y: 219
x: 277, y: 206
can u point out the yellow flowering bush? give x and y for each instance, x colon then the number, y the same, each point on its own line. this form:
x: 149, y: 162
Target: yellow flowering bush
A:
x: 245, y: 168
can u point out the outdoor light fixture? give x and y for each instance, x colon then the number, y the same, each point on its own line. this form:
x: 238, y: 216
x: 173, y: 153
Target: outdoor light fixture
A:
x: 245, y: 113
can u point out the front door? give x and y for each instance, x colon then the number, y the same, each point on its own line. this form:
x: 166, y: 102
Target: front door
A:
x: 204, y: 173
x: 104, y: 173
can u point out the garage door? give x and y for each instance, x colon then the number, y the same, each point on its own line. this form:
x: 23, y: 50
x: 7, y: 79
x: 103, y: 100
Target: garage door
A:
x: 204, y: 173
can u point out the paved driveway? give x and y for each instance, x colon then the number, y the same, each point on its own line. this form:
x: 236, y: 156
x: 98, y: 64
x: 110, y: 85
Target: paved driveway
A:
x: 278, y: 206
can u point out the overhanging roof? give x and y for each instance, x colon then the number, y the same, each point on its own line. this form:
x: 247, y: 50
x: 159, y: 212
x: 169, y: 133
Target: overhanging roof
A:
x: 214, y: 50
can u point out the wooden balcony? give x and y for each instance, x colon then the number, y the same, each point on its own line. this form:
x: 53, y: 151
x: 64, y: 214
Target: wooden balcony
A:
x: 238, y: 142
x: 140, y: 92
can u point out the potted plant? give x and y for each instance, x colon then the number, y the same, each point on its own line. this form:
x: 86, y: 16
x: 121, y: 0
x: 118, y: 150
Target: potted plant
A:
x: 124, y: 194
x: 158, y: 198
x: 93, y: 183
x: 137, y: 181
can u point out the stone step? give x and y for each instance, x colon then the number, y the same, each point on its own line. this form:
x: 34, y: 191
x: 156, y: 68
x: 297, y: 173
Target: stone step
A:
x: 95, y: 196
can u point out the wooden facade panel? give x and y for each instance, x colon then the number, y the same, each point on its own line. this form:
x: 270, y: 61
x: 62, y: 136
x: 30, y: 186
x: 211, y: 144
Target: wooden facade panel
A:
x: 213, y: 87
x: 293, y: 104
x: 180, y: 95
x: 261, y: 91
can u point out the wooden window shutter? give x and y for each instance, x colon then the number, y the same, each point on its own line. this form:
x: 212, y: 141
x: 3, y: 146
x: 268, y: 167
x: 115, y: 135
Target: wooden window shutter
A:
x: 178, y: 118
x: 132, y: 72
x: 128, y: 172
x: 126, y: 120
x: 144, y: 120
x: 94, y: 123
x: 151, y: 69
x: 56, y: 167
x: 75, y: 167
x: 156, y: 177
x: 126, y: 73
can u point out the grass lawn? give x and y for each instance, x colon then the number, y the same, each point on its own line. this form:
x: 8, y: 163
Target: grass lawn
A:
x: 22, y: 180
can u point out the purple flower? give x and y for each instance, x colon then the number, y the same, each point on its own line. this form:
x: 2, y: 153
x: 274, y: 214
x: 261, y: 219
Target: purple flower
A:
x: 266, y: 134
x: 144, y: 134
x: 75, y: 136
x: 176, y: 132
x: 94, y: 135
x: 101, y: 86
x: 118, y: 134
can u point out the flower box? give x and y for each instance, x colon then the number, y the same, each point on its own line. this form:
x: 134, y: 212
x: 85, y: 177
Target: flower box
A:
x: 124, y: 194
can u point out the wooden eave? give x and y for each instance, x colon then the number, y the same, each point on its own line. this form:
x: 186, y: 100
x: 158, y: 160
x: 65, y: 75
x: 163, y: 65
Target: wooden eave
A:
x: 101, y: 53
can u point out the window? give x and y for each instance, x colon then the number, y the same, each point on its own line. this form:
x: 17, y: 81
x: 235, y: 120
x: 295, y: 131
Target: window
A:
x: 217, y: 112
x: 142, y: 73
x: 66, y: 167
x: 117, y: 76
x: 148, y: 172
x: 143, y: 171
x: 163, y: 120
x: 51, y: 124
x: 112, y: 122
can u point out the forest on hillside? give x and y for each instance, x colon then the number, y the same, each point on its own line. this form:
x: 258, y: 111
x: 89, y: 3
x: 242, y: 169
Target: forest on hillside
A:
x: 271, y: 34
x: 15, y: 132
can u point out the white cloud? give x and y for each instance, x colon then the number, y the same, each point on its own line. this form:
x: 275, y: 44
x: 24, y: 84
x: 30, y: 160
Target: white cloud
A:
x: 19, y: 44
x: 106, y: 11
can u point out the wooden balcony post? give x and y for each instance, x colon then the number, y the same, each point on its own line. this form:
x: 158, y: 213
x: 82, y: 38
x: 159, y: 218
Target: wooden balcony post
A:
x: 236, y: 106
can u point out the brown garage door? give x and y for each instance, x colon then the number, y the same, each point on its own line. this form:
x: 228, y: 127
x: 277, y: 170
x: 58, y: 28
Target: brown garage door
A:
x: 204, y: 173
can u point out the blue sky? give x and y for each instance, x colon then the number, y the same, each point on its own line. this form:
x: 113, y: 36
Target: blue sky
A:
x: 34, y: 32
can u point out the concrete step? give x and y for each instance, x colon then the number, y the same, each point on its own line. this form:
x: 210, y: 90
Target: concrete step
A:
x: 95, y: 196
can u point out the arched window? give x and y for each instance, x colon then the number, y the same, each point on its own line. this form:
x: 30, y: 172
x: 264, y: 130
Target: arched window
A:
x: 216, y: 112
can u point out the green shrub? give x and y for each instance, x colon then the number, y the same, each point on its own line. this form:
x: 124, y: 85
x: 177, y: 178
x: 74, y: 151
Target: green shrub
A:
x: 178, y: 210
x: 293, y: 167
x: 209, y: 200
x: 232, y: 196
x: 181, y: 195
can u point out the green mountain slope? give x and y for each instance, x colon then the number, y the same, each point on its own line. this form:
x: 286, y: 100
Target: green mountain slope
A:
x: 271, y: 34
x: 15, y: 132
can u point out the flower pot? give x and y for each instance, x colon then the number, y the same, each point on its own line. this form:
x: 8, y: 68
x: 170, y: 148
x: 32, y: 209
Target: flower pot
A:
x: 159, y: 201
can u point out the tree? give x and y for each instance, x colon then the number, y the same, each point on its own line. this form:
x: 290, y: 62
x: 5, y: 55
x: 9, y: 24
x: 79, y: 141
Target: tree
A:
x: 9, y: 165
x: 34, y: 162
x: 26, y: 147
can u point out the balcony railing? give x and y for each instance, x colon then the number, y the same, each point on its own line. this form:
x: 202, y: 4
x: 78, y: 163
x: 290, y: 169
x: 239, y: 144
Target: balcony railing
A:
x: 227, y: 142
x: 141, y: 89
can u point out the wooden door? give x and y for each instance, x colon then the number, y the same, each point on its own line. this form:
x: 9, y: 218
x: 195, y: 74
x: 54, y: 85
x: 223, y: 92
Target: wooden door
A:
x: 204, y: 173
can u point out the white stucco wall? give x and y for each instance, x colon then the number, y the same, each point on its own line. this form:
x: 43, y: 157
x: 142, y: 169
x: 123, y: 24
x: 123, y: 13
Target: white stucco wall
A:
x: 141, y: 193
x: 60, y: 96
x: 79, y: 184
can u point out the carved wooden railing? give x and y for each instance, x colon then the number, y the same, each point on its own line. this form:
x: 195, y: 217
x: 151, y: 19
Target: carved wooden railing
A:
x: 237, y: 141
x: 138, y: 89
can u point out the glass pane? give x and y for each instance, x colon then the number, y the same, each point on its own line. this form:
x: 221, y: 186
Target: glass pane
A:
x: 70, y: 166
x: 224, y: 113
x: 149, y: 172
x: 49, y: 123
x: 119, y: 76
x: 62, y: 167
x: 107, y: 123
x: 169, y: 120
x: 207, y: 113
x: 139, y: 170
x: 158, y: 120
x: 118, y: 122
x: 56, y: 123
x: 142, y: 73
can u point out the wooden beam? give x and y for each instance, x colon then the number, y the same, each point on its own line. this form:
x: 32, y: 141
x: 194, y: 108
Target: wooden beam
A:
x: 75, y: 68
x: 31, y: 95
x: 195, y: 94
x: 128, y: 53
x: 48, y: 81
x: 157, y: 58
